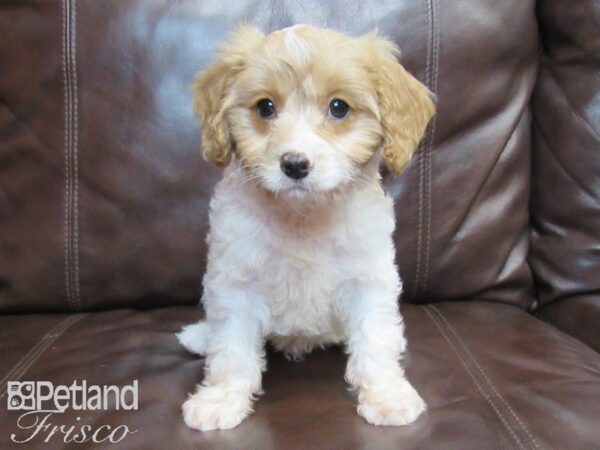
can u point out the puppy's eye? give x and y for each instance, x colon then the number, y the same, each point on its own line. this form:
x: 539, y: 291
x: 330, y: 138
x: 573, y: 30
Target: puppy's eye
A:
x: 265, y: 108
x: 338, y: 108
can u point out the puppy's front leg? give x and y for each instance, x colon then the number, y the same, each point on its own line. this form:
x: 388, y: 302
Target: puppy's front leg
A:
x: 375, y: 342
x: 234, y: 362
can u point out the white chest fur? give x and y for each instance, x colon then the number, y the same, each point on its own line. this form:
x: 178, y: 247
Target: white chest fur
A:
x: 295, y: 262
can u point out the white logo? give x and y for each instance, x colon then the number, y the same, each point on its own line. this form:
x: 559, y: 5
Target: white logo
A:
x: 21, y: 395
x: 43, y: 395
x: 41, y: 400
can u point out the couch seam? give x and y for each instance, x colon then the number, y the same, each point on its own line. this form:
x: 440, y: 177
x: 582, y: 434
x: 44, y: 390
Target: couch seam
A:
x: 420, y: 158
x: 480, y: 388
x: 71, y: 161
x: 429, y: 142
x: 75, y: 149
x: 420, y: 200
x: 424, y: 160
x: 67, y: 158
x: 524, y: 428
x: 37, y: 350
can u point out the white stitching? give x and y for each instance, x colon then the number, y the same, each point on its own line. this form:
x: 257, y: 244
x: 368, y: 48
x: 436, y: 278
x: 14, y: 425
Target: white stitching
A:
x: 473, y: 377
x: 420, y: 158
x: 71, y: 161
x: 419, y: 227
x: 67, y: 106
x: 429, y: 142
x: 75, y: 132
x: 506, y: 405
x: 36, y: 351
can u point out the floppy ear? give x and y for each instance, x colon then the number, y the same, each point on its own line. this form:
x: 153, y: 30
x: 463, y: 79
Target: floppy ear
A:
x: 405, y: 105
x: 211, y: 89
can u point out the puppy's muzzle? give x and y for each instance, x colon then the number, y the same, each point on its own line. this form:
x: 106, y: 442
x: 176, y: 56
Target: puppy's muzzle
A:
x: 295, y: 165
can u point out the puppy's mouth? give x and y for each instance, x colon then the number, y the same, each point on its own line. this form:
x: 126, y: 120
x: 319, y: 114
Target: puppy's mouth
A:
x: 298, y: 190
x: 298, y: 187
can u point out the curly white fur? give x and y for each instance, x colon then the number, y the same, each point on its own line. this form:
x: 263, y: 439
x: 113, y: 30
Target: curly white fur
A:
x: 323, y: 278
x: 304, y: 263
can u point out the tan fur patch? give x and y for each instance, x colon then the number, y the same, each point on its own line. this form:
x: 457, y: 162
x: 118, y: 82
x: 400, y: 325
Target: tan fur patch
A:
x: 302, y: 70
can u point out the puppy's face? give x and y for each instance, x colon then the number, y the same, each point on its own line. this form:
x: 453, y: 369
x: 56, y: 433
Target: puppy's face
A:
x: 305, y: 109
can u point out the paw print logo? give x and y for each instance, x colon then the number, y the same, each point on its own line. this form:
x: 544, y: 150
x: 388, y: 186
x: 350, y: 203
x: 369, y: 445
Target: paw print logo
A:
x: 21, y: 395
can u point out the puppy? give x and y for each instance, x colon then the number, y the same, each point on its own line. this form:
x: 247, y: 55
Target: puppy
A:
x: 300, y: 247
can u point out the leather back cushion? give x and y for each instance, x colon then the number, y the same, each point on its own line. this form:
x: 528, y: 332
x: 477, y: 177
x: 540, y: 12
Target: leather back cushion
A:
x: 565, y: 204
x: 103, y: 194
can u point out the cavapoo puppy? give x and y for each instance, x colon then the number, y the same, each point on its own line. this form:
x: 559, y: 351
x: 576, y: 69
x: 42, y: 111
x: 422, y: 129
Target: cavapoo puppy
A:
x: 300, y: 244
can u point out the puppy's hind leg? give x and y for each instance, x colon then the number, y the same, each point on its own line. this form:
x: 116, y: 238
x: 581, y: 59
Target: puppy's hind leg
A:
x: 194, y: 337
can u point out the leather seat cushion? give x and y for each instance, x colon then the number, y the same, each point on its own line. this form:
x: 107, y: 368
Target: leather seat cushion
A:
x: 493, y: 377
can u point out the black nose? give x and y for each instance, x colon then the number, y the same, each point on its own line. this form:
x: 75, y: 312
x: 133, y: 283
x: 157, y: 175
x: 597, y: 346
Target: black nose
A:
x: 295, y: 165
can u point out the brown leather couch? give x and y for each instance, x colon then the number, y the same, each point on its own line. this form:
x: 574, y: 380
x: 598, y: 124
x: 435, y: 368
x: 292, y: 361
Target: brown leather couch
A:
x: 103, y: 214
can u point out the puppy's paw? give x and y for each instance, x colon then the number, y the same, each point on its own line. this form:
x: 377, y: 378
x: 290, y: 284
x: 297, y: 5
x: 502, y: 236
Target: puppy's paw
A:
x: 216, y: 408
x: 399, y: 404
x: 193, y: 338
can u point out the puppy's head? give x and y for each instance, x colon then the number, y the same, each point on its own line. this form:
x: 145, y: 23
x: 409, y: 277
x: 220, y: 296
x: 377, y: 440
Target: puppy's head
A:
x: 305, y: 109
